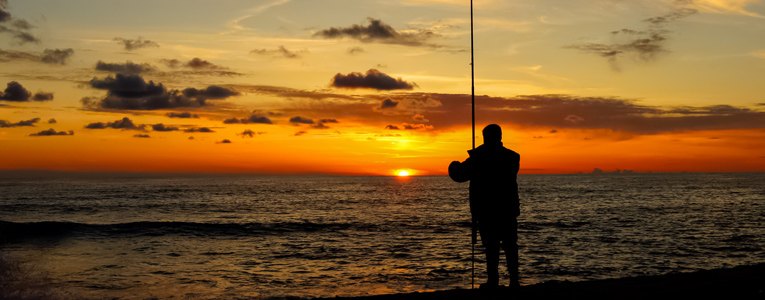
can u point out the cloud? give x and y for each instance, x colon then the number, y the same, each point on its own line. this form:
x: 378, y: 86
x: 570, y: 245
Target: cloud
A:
x: 568, y: 111
x: 329, y: 121
x: 131, y: 92
x: 14, y: 91
x: 41, y: 96
x: 573, y: 119
x: 299, y: 133
x: 255, y: 119
x: 18, y: 28
x: 388, y: 103
x: 143, y: 136
x: 420, y: 118
x: 7, y: 124
x: 379, y: 32
x: 391, y: 127
x: 320, y: 126
x: 124, y: 124
x: 52, y: 132
x: 49, y: 56
x: 136, y: 44
x: 373, y: 79
x: 11, y: 55
x: 52, y: 121
x: 643, y: 45
x: 301, y: 120
x: 250, y: 133
x: 127, y: 68
x: 56, y: 56
x: 355, y: 50
x: 281, y: 51
x: 225, y: 141
x: 200, y: 129
x: 199, y: 66
x: 162, y: 127
x: 183, y: 115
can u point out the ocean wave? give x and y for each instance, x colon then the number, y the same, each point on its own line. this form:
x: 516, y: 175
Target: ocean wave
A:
x: 14, y: 230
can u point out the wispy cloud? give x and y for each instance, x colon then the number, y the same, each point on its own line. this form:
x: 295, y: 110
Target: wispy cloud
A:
x: 644, y: 45
x: 373, y: 79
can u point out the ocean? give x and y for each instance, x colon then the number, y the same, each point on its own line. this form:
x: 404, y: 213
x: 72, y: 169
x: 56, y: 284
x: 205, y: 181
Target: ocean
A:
x: 159, y: 236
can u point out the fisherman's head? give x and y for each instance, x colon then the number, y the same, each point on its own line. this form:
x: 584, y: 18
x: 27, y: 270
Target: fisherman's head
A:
x: 492, y: 134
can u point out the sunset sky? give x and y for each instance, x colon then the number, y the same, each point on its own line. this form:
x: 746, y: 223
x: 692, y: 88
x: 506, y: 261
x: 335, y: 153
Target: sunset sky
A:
x: 374, y: 87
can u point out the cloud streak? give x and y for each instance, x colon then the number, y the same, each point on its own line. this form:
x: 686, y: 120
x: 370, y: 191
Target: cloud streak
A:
x: 643, y: 45
x: 7, y: 124
x: 131, y: 45
x: 281, y: 51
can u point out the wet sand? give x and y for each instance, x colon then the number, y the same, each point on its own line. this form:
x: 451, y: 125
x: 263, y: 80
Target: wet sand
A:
x: 744, y: 282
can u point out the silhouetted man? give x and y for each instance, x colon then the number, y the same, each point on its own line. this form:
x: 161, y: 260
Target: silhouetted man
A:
x: 492, y: 170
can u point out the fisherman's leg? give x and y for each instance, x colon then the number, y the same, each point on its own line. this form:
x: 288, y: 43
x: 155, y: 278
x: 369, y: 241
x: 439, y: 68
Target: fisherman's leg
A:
x: 510, y: 246
x: 491, y: 244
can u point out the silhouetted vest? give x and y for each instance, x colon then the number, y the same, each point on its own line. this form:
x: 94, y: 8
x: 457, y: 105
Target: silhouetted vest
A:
x: 493, y: 187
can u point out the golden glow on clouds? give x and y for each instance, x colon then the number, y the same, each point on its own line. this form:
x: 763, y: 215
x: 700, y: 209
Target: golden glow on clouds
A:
x: 516, y: 54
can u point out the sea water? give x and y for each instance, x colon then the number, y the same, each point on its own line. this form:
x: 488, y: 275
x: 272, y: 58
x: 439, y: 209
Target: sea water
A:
x: 141, y: 236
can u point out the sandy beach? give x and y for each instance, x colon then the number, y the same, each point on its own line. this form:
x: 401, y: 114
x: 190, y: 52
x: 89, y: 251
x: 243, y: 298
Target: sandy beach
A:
x: 744, y: 282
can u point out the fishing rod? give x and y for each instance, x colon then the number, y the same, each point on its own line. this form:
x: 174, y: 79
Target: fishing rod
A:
x: 474, y: 235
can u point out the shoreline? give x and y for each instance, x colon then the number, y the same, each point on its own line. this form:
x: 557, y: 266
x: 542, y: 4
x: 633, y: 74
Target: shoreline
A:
x: 742, y: 282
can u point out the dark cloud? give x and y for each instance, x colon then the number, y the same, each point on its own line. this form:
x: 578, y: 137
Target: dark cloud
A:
x: 183, y: 115
x: 388, y: 103
x: 131, y: 92
x: 379, y: 32
x: 299, y: 133
x: 4, y: 14
x: 124, y: 124
x: 6, y: 124
x: 18, y: 28
x: 56, y: 56
x: 41, y: 96
x: 162, y: 127
x: 281, y: 51
x: 198, y: 63
x: 254, y: 119
x: 139, y: 43
x: 51, y: 132
x: 328, y: 121
x: 320, y: 126
x: 128, y: 68
x: 643, y: 45
x: 250, y: 133
x: 553, y: 131
x: 143, y: 136
x: 14, y: 91
x: 211, y: 92
x: 301, y: 120
x: 566, y: 111
x: 200, y: 129
x: 373, y: 79
x: 407, y: 126
x: 225, y: 141
x: 52, y: 121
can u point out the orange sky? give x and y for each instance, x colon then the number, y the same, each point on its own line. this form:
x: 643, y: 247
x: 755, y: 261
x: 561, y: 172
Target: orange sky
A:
x: 293, y: 86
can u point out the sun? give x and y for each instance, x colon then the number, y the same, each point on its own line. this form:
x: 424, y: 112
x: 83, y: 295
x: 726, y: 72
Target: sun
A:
x: 403, y: 173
